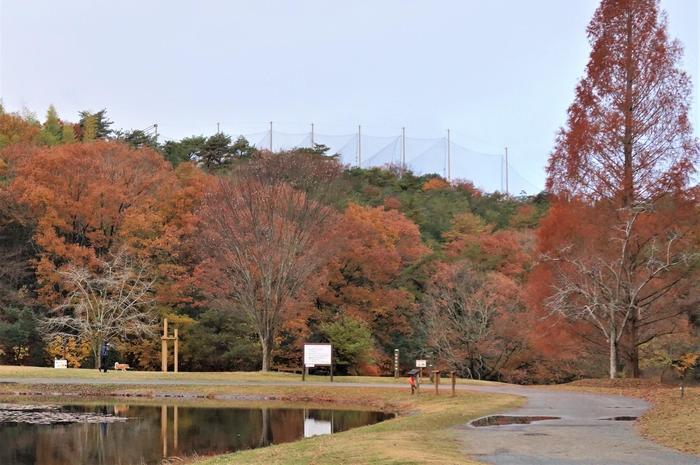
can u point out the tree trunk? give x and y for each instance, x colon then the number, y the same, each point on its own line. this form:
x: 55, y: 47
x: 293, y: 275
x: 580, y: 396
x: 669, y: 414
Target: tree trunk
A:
x: 632, y: 351
x: 96, y: 354
x: 613, y: 353
x: 628, y: 110
x: 266, y: 344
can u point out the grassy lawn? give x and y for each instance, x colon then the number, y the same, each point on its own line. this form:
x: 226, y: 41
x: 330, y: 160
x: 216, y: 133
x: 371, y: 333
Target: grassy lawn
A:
x: 420, y: 434
x: 238, y: 376
x: 421, y: 437
x: 671, y: 421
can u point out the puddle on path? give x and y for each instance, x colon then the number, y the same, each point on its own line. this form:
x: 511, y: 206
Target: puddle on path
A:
x: 501, y: 420
x: 622, y: 418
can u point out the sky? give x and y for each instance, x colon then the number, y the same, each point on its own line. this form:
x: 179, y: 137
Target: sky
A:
x: 496, y: 73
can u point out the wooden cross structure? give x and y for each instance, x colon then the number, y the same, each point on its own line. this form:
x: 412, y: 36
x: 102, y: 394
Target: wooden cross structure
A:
x: 164, y: 347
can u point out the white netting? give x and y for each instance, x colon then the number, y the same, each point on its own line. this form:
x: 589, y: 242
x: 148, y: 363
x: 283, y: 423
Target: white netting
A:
x: 421, y: 155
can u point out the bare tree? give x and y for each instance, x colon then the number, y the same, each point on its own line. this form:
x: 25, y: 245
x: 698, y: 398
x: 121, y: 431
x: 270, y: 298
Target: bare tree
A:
x: 111, y: 302
x: 626, y: 292
x: 464, y: 312
x: 263, y: 231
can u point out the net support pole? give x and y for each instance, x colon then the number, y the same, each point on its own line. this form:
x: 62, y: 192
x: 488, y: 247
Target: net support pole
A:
x: 403, y: 150
x: 359, y: 146
x: 449, y: 157
x: 507, y: 192
x: 270, y: 136
x: 502, y: 168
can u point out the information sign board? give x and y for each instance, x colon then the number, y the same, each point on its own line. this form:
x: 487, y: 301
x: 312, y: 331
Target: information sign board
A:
x: 317, y: 355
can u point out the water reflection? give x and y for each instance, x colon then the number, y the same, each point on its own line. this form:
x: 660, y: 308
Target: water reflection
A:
x: 156, y: 432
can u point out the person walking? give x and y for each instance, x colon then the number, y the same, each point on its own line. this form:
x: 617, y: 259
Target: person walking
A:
x: 412, y: 375
x: 104, y: 355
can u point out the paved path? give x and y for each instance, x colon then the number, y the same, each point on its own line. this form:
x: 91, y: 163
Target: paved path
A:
x: 580, y: 437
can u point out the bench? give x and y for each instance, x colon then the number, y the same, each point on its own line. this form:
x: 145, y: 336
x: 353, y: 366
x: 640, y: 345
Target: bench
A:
x: 287, y: 369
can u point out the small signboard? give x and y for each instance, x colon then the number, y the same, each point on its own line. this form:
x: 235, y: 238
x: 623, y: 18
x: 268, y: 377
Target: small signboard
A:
x: 317, y: 354
x: 60, y: 363
x: 421, y: 363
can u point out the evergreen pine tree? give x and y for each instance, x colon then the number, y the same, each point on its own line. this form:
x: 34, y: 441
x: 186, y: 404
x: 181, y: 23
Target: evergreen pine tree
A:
x: 89, y: 126
x: 68, y: 134
x: 51, y: 130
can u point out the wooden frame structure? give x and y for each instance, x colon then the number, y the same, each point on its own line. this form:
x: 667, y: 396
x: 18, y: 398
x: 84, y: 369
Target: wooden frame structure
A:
x: 164, y: 347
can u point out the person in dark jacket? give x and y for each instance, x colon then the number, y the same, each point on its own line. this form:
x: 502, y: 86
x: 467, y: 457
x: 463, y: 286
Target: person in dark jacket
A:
x: 104, y: 355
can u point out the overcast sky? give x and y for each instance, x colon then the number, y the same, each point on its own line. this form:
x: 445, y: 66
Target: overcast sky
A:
x: 496, y: 73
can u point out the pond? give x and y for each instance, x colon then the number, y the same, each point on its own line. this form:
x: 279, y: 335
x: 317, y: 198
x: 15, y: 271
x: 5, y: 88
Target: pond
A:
x: 133, y: 434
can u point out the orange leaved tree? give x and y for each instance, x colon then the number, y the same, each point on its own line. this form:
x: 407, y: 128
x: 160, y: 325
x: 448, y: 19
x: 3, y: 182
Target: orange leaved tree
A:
x: 365, y: 277
x: 627, y: 151
x: 628, y: 136
x: 82, y: 195
x: 263, y: 234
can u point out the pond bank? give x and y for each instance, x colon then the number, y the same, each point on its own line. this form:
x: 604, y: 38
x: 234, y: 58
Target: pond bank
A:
x: 421, y: 433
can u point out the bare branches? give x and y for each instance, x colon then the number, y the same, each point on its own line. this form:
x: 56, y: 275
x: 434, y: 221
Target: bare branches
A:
x: 112, y: 302
x: 464, y: 310
x: 263, y: 235
x: 620, y: 283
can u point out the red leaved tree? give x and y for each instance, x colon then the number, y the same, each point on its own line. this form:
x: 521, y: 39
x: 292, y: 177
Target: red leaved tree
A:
x: 628, y: 148
x: 364, y: 278
x: 628, y: 136
x: 628, y: 274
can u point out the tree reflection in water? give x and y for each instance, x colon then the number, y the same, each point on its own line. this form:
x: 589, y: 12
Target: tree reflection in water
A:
x: 156, y: 432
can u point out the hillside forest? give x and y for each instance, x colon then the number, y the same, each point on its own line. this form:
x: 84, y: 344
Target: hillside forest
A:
x: 250, y: 254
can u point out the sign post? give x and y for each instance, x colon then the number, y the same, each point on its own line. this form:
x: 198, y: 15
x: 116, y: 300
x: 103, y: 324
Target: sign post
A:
x: 436, y: 380
x: 317, y: 355
x: 396, y: 363
x: 421, y: 364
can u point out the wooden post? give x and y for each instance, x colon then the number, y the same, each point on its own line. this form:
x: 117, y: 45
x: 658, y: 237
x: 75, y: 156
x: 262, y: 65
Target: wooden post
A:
x: 454, y: 381
x: 436, y: 374
x: 164, y: 347
x: 176, y: 348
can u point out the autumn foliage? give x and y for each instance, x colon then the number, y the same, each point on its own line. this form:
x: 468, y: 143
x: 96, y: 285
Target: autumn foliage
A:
x: 619, y: 245
x: 251, y: 253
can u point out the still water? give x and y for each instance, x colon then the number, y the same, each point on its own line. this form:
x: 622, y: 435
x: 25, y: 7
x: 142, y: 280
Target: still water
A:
x: 151, y: 433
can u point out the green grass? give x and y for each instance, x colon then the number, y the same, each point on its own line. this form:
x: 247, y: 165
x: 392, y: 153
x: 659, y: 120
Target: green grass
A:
x: 425, y: 436
x: 87, y: 374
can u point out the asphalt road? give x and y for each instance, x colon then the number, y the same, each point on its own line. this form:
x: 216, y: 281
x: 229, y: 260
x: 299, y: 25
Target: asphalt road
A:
x: 582, y: 435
